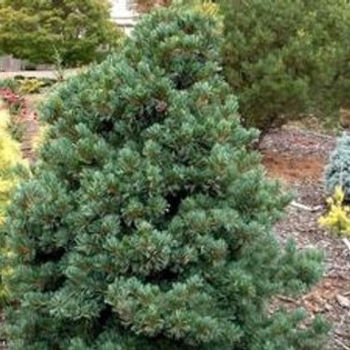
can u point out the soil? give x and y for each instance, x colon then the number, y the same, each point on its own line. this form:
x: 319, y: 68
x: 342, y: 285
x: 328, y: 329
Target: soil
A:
x: 298, y: 158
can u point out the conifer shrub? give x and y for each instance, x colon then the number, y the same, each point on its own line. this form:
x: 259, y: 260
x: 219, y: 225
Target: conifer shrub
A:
x: 147, y: 223
x: 337, y: 172
x: 286, y: 59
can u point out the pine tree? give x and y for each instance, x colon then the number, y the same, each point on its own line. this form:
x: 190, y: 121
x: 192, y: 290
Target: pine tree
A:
x: 287, y: 58
x: 147, y: 223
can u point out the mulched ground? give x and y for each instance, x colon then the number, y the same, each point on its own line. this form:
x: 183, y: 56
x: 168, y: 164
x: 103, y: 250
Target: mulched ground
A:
x: 298, y: 158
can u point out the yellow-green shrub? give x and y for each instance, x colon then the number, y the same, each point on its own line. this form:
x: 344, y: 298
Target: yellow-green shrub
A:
x: 337, y: 219
x: 208, y: 8
x: 30, y: 86
x: 10, y: 157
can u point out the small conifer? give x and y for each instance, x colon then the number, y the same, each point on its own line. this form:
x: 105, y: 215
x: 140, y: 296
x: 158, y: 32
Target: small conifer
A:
x: 148, y: 223
x: 337, y: 172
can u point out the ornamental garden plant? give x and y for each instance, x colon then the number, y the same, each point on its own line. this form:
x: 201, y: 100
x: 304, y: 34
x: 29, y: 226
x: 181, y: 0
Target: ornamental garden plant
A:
x: 337, y: 187
x: 147, y: 223
x: 337, y: 171
x: 17, y: 112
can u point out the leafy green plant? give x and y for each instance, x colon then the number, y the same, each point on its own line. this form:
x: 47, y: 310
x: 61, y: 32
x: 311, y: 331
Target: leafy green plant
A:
x: 79, y: 29
x: 148, y: 222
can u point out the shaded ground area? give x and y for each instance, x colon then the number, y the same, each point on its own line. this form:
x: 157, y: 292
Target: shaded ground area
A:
x: 298, y: 158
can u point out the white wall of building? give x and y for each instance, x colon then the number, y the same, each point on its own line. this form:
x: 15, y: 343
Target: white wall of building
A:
x: 123, y: 14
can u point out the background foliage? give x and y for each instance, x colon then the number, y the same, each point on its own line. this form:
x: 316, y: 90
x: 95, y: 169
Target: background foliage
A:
x: 286, y: 57
x: 80, y: 31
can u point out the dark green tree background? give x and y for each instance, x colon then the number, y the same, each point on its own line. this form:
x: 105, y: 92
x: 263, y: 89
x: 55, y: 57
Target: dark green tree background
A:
x: 147, y: 223
x: 79, y: 31
x: 284, y: 58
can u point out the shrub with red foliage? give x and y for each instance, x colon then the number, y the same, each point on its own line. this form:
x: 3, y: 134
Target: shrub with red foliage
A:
x: 18, y: 108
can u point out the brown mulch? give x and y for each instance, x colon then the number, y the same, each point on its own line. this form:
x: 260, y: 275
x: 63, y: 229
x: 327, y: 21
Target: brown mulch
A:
x: 298, y: 158
x: 31, y: 128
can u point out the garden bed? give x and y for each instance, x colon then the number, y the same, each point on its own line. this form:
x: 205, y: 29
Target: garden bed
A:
x: 298, y: 158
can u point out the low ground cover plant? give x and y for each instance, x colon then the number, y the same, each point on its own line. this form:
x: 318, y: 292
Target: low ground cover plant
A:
x: 80, y: 31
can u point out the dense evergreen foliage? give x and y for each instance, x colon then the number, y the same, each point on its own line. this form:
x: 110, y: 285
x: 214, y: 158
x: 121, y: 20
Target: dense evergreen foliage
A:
x: 148, y: 223
x: 338, y: 169
x: 284, y: 58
